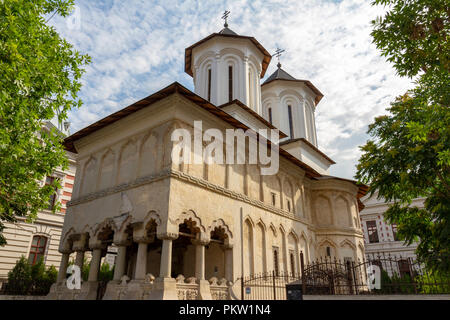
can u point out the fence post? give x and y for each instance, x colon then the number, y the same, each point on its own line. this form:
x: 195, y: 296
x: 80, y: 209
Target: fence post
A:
x: 355, y: 279
x: 302, y: 269
x: 274, y: 287
x: 350, y: 276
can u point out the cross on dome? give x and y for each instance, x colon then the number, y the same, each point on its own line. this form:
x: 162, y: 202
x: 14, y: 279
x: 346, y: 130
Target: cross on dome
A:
x: 225, y: 17
x: 277, y: 54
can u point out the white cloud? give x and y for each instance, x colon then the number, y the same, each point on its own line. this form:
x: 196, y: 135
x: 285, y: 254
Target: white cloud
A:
x: 138, y: 48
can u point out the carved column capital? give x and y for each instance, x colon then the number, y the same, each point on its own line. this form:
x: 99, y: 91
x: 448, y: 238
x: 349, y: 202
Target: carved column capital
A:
x: 97, y: 245
x: 143, y: 239
x: 167, y: 236
x: 199, y: 242
x: 227, y: 246
x: 122, y: 243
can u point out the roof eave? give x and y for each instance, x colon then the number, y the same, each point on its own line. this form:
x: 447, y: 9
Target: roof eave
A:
x: 308, y: 83
x: 188, y: 52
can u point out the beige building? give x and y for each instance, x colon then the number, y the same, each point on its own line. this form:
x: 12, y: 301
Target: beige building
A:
x: 189, y: 231
x: 380, y: 237
x: 39, y: 239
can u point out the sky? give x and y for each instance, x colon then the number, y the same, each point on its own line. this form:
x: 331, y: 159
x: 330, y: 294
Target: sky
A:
x: 137, y: 48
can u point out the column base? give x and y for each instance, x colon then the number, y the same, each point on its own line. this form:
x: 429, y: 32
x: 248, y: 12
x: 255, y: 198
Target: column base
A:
x: 55, y: 291
x: 112, y: 292
x: 88, y: 291
x: 135, y: 290
x: 204, y: 291
x: 164, y: 289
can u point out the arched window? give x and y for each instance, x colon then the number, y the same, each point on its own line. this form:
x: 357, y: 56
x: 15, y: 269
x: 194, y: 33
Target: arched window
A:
x: 37, y: 250
x: 291, y: 257
x: 250, y: 89
x: 291, y: 127
x: 209, y: 84
x: 230, y: 83
x: 275, y: 260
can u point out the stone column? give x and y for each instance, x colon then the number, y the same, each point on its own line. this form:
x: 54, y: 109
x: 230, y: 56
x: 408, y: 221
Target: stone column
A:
x: 166, y: 257
x: 199, y: 258
x: 63, y: 267
x: 165, y: 287
x: 204, y: 291
x: 141, y: 261
x: 79, y: 258
x: 228, y: 250
x: 95, y: 264
x: 80, y: 246
x: 119, y: 269
x: 89, y: 288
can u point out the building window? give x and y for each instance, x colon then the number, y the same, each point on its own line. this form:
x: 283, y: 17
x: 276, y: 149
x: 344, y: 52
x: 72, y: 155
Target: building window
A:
x: 230, y: 83
x: 37, y: 249
x: 404, y: 268
x: 291, y: 258
x: 275, y: 260
x: 291, y: 127
x: 394, y: 232
x: 328, y: 252
x: 209, y: 84
x: 372, y: 231
x: 289, y: 205
x: 274, y: 198
x: 270, y: 115
x: 250, y: 91
x: 52, y: 200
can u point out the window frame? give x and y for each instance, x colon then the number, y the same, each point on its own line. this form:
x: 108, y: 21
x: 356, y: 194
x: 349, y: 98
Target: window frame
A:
x: 291, y: 124
x: 372, y: 231
x: 53, y: 197
x: 230, y: 83
x: 35, y: 249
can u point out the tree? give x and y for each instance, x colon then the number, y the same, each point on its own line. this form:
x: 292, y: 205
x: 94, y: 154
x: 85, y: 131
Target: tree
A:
x: 408, y: 155
x: 26, y: 279
x: 40, y: 79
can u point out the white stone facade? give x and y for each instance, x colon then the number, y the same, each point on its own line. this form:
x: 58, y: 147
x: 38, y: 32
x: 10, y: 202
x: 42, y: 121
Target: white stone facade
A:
x: 189, y: 231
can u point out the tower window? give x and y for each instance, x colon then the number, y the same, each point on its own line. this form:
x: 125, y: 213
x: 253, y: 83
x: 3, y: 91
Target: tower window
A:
x: 209, y: 84
x: 328, y: 252
x: 230, y: 83
x: 37, y: 249
x: 289, y: 205
x: 291, y: 128
x: 270, y: 115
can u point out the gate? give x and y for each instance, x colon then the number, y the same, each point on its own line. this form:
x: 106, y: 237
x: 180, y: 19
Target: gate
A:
x: 328, y: 277
x: 267, y: 286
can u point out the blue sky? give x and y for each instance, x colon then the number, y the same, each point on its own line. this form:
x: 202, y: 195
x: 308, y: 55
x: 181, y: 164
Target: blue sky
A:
x: 137, y: 48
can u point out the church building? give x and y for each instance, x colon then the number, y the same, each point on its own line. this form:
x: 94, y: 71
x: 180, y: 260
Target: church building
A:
x: 189, y: 230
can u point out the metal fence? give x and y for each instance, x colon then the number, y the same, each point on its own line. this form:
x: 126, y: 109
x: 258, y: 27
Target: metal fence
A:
x: 330, y: 276
x: 267, y: 286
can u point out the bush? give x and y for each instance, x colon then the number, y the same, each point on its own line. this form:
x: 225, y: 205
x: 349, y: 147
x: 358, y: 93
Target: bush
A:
x: 24, y: 279
x: 433, y: 283
x: 19, y: 278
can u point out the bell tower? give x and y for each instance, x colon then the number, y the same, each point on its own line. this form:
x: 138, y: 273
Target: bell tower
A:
x: 226, y: 66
